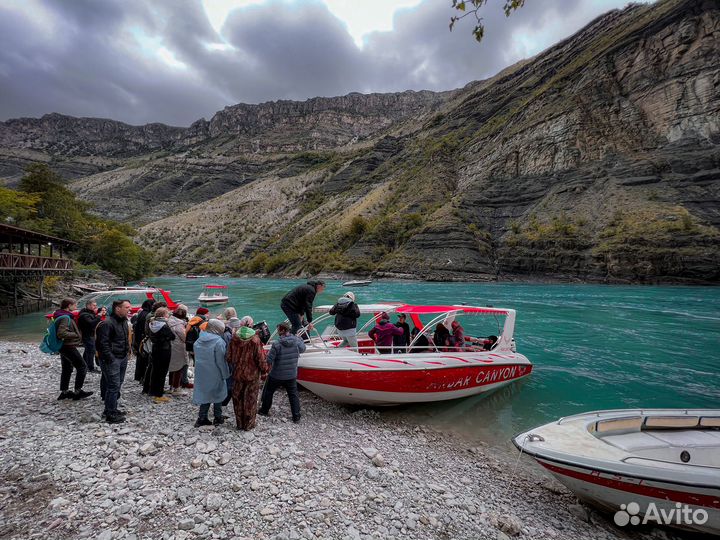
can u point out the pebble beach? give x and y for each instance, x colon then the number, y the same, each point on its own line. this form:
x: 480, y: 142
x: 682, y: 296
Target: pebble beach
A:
x: 339, y: 473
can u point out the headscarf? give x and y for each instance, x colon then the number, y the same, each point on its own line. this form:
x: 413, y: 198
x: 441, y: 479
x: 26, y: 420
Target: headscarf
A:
x: 350, y: 295
x: 215, y: 326
x: 247, y: 320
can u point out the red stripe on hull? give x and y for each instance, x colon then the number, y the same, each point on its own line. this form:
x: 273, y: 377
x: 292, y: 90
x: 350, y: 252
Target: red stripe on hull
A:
x: 697, y: 499
x: 415, y: 380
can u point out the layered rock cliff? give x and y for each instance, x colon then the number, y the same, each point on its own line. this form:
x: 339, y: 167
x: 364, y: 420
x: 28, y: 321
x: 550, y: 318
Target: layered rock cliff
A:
x: 599, y: 159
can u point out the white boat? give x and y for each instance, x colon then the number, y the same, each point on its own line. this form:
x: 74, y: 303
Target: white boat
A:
x: 657, y: 466
x: 413, y: 374
x: 213, y: 294
x: 357, y: 283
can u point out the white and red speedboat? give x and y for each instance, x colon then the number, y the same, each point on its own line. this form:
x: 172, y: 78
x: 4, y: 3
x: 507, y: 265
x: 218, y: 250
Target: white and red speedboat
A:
x: 416, y: 373
x: 648, y: 466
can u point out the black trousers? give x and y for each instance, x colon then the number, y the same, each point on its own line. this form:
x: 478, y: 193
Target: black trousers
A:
x: 71, y: 358
x: 159, y: 365
x: 141, y: 365
x: 271, y: 385
x: 293, y: 318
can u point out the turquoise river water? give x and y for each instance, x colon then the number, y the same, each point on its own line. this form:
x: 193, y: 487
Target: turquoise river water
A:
x: 592, y: 346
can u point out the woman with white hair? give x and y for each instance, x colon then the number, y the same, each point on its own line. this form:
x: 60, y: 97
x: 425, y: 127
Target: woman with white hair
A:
x: 346, y: 313
x: 211, y: 371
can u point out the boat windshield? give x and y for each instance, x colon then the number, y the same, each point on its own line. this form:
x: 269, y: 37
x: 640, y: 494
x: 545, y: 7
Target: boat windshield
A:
x: 106, y: 298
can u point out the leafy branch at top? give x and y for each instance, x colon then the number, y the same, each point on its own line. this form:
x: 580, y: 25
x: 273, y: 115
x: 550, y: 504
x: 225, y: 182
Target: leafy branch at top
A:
x: 472, y: 7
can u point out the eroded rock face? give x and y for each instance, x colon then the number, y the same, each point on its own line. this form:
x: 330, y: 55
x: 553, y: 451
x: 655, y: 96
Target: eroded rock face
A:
x: 599, y: 159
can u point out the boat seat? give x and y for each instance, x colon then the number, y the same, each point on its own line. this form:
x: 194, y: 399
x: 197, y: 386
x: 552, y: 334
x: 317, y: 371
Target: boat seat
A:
x: 631, y: 442
x: 687, y: 438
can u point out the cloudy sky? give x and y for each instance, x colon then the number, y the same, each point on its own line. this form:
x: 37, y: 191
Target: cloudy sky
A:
x: 175, y: 61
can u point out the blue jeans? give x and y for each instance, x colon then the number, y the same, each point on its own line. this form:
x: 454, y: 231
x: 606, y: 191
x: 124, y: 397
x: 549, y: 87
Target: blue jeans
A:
x: 113, y: 375
x: 89, y: 352
x: 205, y: 409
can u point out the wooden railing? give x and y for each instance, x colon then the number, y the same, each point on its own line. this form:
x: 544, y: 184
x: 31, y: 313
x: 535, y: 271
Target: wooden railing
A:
x: 17, y: 261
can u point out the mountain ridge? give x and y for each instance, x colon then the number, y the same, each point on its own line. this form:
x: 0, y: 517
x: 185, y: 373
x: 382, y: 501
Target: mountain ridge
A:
x: 597, y: 160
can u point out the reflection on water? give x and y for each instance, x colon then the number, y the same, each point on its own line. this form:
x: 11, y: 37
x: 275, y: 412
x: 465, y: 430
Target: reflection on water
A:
x: 592, y: 346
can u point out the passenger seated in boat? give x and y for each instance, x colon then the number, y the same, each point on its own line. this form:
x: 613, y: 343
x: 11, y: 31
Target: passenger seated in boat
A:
x: 422, y: 344
x: 484, y: 344
x: 458, y: 336
x: 383, y: 333
x: 441, y: 337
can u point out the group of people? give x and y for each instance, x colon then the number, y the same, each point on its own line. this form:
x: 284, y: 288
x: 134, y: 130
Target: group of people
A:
x: 230, y: 362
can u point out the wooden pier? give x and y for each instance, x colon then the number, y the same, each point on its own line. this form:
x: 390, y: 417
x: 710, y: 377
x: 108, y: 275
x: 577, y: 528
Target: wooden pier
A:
x: 28, y: 256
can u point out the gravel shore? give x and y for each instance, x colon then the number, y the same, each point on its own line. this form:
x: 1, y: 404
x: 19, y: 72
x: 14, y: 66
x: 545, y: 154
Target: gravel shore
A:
x: 338, y: 474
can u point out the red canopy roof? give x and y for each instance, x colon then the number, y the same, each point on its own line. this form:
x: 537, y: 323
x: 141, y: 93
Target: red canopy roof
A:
x: 420, y: 310
x: 216, y: 286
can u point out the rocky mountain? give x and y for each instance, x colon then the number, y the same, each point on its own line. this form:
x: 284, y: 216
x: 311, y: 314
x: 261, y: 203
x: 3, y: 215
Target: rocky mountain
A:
x: 599, y: 159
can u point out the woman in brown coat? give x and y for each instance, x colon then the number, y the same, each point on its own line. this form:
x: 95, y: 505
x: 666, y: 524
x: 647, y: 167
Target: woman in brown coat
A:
x: 246, y: 359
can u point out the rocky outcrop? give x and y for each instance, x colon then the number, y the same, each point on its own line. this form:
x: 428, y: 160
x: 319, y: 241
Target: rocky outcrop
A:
x: 599, y: 159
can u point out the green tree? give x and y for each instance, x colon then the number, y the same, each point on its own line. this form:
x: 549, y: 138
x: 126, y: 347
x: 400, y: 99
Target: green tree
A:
x: 472, y: 7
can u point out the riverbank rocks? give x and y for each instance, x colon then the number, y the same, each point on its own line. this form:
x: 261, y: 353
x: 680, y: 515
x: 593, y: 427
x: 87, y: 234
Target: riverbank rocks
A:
x: 337, y: 475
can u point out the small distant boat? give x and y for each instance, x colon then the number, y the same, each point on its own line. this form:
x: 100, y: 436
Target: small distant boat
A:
x: 357, y: 283
x: 639, y: 464
x: 194, y: 276
x: 213, y: 294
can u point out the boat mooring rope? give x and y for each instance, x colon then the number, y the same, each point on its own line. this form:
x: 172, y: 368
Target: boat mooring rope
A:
x: 517, y: 462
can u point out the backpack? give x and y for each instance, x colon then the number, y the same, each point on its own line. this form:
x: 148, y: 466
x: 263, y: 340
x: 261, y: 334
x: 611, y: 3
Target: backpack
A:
x: 192, y: 336
x: 50, y: 343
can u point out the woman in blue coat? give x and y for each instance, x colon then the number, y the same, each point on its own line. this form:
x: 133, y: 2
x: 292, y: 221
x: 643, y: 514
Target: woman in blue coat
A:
x: 211, y: 370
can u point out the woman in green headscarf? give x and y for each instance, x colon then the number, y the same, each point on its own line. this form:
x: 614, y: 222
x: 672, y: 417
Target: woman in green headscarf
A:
x: 246, y: 359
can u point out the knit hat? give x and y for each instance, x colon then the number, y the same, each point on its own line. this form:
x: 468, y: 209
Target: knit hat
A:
x: 245, y: 332
x: 215, y: 326
x: 350, y: 295
x: 202, y: 311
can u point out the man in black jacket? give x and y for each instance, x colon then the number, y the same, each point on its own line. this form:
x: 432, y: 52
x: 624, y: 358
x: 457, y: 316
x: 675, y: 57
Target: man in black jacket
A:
x: 88, y: 319
x: 400, y: 343
x: 299, y: 302
x: 114, y: 348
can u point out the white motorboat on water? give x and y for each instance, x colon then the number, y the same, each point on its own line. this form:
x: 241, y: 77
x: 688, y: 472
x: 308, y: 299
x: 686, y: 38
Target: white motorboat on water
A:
x: 213, y: 294
x: 420, y: 372
x: 657, y: 466
x: 357, y: 283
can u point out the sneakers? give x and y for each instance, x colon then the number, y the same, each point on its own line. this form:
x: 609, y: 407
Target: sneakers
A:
x: 162, y: 399
x: 218, y: 421
x: 264, y: 413
x: 177, y: 392
x: 296, y: 419
x: 81, y: 394
x: 203, y: 422
x: 65, y: 394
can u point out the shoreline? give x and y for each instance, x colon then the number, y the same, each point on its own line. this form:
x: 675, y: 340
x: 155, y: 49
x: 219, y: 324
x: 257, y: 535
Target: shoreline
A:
x: 410, y: 278
x: 337, y: 474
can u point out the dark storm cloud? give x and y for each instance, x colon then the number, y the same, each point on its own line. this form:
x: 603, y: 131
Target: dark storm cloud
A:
x: 88, y: 62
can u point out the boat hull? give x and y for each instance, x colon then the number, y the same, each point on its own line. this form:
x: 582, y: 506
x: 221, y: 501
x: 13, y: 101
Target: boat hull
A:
x: 218, y: 300
x: 383, y: 387
x: 611, y: 491
x: 651, y: 466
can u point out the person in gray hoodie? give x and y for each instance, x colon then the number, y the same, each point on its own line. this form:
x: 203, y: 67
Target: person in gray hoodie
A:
x: 283, y: 360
